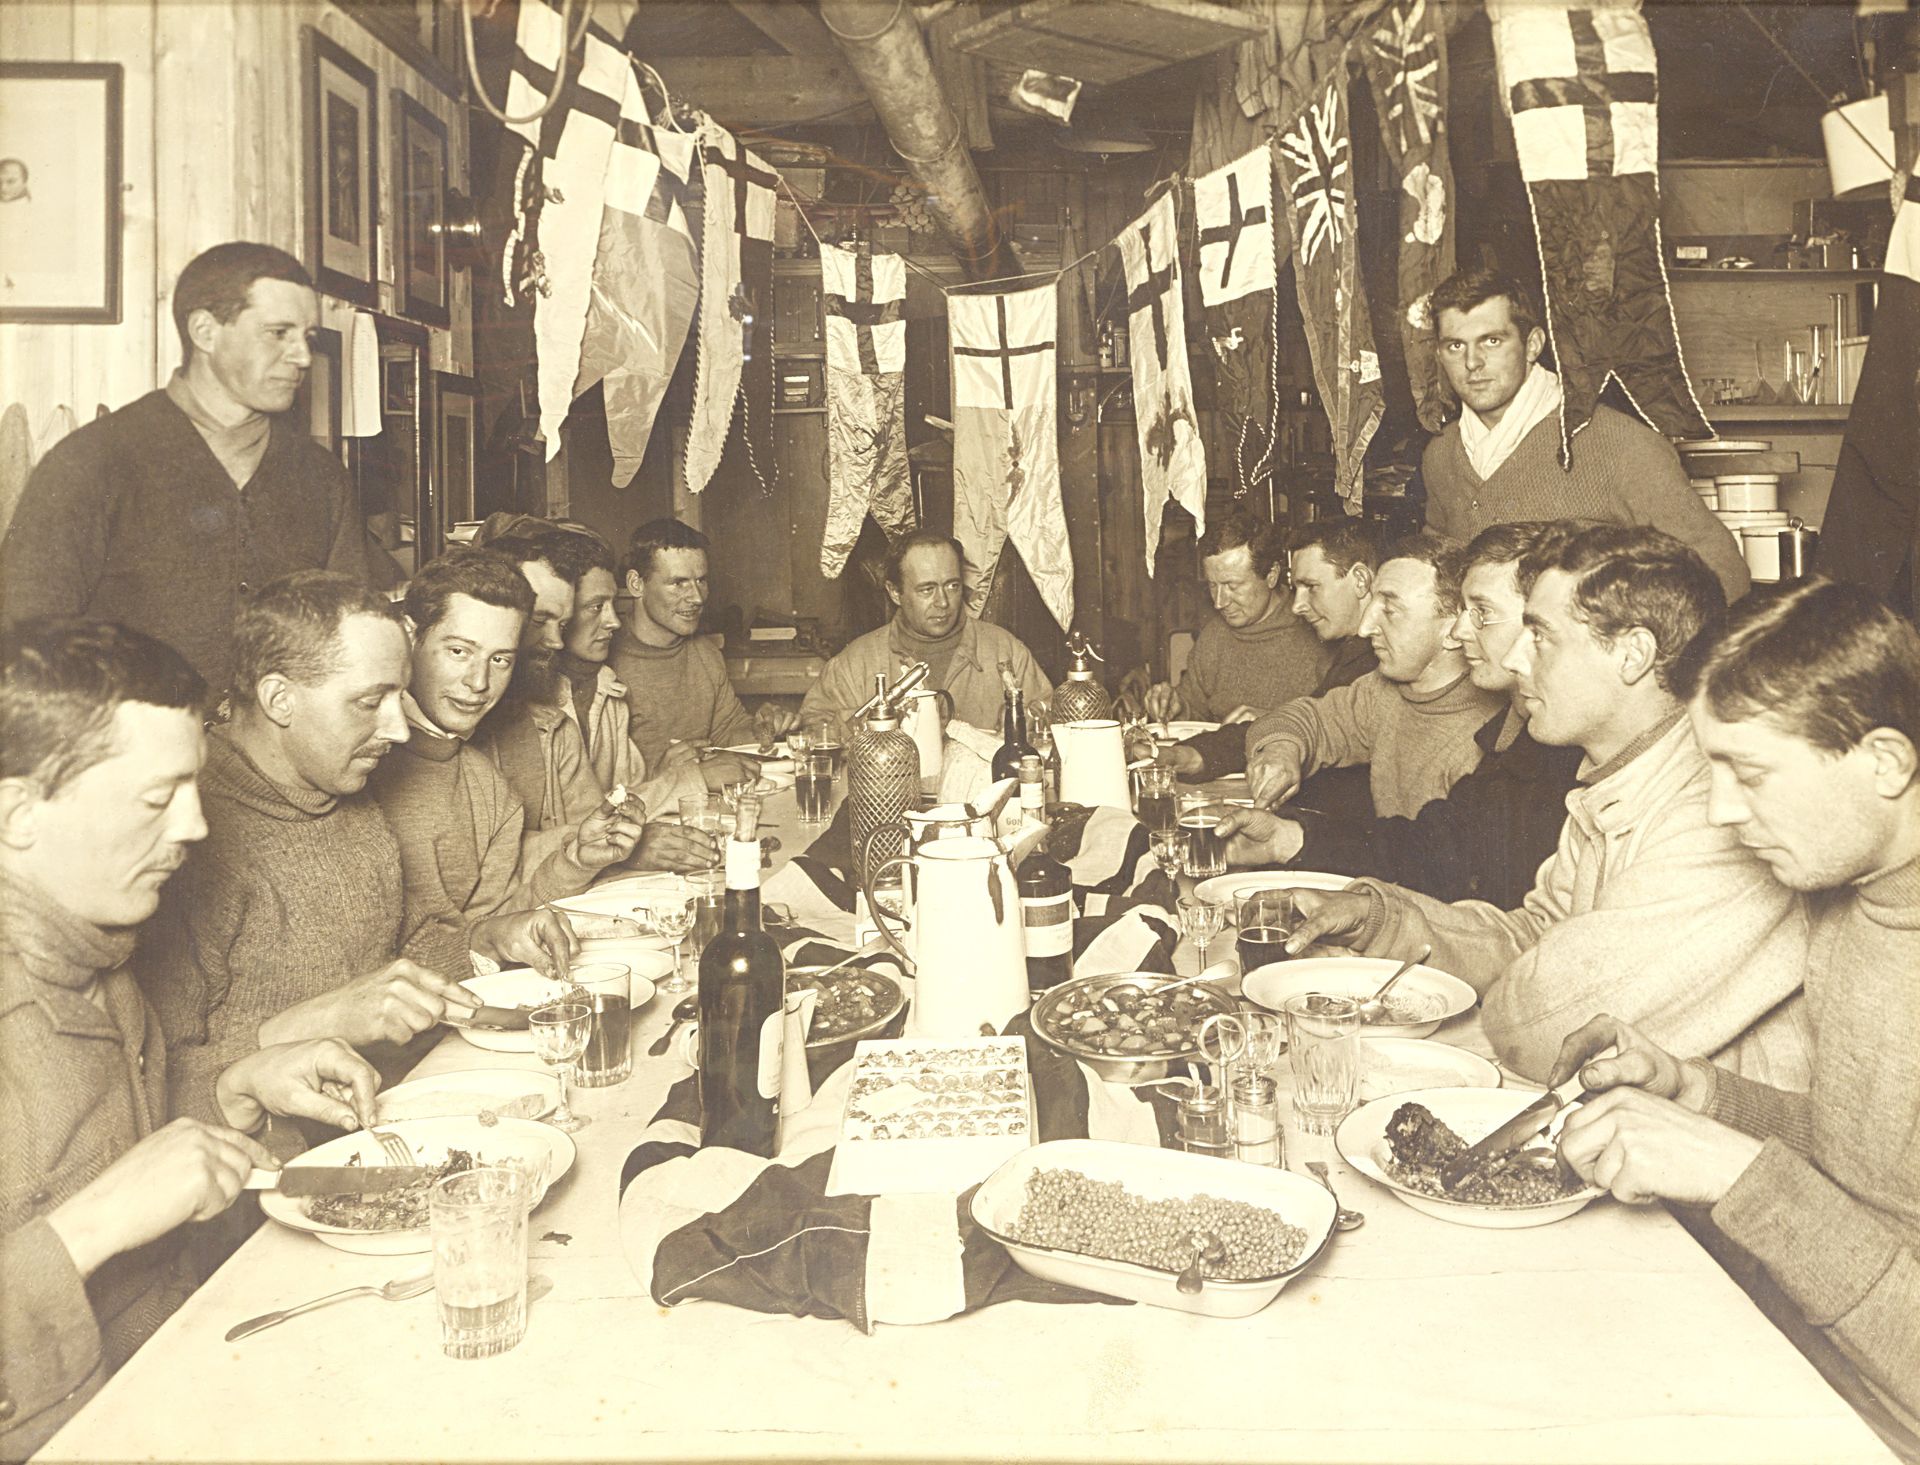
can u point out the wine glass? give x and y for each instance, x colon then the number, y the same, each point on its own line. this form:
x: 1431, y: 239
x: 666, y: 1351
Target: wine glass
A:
x: 560, y: 1032
x: 1201, y: 920
x: 1168, y: 847
x: 673, y: 918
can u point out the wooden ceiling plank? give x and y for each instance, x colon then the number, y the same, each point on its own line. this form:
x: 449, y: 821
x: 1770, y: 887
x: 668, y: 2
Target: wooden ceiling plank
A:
x: 794, y: 27
x: 764, y: 91
x: 1106, y: 43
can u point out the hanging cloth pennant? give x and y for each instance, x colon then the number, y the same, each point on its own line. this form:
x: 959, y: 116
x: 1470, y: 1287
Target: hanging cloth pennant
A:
x: 1871, y: 531
x: 1006, y: 452
x: 1234, y: 231
x: 573, y: 142
x: 1581, y: 88
x: 1406, y: 60
x: 735, y: 321
x: 1316, y: 170
x: 865, y: 295
x: 645, y: 280
x: 1173, y: 463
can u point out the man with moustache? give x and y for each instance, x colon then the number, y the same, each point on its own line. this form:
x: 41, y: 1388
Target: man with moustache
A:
x: 1412, y: 721
x: 1646, y: 907
x: 1806, y: 703
x: 99, y: 746
x: 457, y: 820
x: 287, y: 923
x: 1500, y: 460
x: 1486, y: 839
x: 163, y: 515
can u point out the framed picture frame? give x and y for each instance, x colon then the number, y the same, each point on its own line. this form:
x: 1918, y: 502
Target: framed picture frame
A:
x: 393, y: 472
x: 60, y: 178
x: 420, y: 162
x: 426, y: 34
x: 318, y: 403
x: 456, y: 444
x: 343, y: 172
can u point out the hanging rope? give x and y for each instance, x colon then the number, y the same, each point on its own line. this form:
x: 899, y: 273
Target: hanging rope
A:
x: 574, y: 37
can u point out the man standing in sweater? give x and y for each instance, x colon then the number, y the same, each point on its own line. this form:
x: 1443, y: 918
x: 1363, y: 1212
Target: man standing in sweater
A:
x: 1646, y: 908
x: 1500, y: 460
x: 163, y: 514
x: 1412, y: 721
x: 1806, y: 702
x: 1486, y: 839
x: 99, y: 745
x: 288, y: 921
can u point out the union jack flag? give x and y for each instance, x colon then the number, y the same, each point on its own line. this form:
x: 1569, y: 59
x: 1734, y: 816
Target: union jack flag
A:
x: 1410, y: 57
x: 1317, y: 148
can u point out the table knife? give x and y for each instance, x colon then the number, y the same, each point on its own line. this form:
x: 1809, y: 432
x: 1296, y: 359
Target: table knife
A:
x: 493, y: 1019
x: 1516, y: 1134
x: 304, y: 1180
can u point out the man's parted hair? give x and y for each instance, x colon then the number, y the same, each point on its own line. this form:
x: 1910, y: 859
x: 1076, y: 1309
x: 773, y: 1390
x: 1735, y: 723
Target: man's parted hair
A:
x: 61, y: 681
x: 1464, y: 289
x: 485, y: 575
x: 1519, y: 543
x: 898, y: 551
x: 1342, y: 542
x: 219, y: 279
x: 1828, y: 663
x: 1627, y: 576
x: 1447, y: 559
x: 658, y: 534
x: 1241, y: 526
x: 291, y: 626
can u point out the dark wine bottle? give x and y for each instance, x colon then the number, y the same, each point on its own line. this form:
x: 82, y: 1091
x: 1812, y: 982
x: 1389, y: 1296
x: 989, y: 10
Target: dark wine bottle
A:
x: 742, y: 993
x: 1013, y: 736
x: 1046, y: 895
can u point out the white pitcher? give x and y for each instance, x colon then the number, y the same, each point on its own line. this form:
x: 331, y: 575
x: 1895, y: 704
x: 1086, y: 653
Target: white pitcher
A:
x: 968, y: 943
x: 927, y: 728
x: 1093, y: 762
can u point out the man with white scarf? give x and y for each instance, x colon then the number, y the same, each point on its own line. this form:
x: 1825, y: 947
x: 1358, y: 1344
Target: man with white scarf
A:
x: 1499, y: 464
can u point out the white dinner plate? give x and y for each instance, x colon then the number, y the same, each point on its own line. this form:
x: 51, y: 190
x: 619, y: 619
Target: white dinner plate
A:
x: 781, y: 760
x: 1401, y: 1065
x: 515, y: 986
x: 1229, y: 889
x: 465, y: 1092
x: 1437, y: 995
x: 523, y: 1141
x: 1180, y: 730
x: 1473, y: 1114
x: 1706, y: 447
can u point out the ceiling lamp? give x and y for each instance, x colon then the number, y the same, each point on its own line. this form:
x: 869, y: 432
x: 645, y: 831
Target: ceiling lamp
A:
x: 1859, y: 142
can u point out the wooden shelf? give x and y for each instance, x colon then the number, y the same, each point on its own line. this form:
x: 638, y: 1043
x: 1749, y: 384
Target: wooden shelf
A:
x: 1825, y: 277
x: 1779, y: 412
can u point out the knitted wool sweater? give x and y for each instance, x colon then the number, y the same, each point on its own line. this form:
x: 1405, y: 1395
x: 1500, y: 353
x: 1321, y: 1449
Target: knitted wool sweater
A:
x: 1623, y: 473
x: 1263, y: 665
x: 1224, y: 750
x: 678, y: 694
x: 291, y: 895
x: 1831, y: 1208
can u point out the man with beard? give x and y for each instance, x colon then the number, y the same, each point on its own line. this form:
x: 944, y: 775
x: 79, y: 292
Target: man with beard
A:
x: 161, y: 515
x: 1412, y: 721
x: 99, y: 746
x: 288, y: 923
x: 1488, y: 836
x: 458, y: 821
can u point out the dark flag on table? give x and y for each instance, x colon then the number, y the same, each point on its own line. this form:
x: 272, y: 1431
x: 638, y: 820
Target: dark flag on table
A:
x: 1406, y: 60
x: 1581, y: 87
x: 1173, y: 463
x: 1006, y: 449
x: 865, y: 295
x: 1316, y: 171
x: 1871, y: 533
x: 734, y: 334
x: 1234, y: 261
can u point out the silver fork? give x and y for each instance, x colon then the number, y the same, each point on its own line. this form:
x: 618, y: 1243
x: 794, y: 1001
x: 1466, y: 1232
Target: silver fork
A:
x: 394, y: 1147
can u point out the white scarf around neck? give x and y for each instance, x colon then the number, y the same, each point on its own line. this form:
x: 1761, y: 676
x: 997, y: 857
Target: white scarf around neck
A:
x: 1488, y: 447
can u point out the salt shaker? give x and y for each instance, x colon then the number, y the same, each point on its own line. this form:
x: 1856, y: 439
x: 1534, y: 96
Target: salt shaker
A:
x: 1204, y: 1122
x: 1256, y: 1119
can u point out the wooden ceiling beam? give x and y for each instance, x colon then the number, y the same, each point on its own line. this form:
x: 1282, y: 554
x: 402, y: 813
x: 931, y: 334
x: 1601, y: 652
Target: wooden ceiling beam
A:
x: 789, y: 24
x: 764, y: 91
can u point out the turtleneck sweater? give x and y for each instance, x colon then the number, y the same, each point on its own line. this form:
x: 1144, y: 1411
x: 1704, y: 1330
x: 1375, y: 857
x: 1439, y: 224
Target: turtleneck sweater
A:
x: 1831, y: 1208
x: 1263, y: 666
x: 292, y: 894
x: 239, y: 448
x: 83, y: 1078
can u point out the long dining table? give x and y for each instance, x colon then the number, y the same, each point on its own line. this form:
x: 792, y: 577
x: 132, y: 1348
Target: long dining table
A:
x: 1608, y: 1336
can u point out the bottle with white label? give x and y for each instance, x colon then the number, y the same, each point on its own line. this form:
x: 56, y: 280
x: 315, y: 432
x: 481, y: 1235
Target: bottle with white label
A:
x: 1046, y: 894
x: 742, y: 1025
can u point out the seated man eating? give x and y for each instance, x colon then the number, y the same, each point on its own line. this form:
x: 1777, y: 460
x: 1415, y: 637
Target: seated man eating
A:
x: 1646, y: 908
x: 99, y: 747
x: 1806, y: 703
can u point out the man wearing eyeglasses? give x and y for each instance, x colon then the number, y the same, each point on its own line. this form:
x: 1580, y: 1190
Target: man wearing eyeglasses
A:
x: 1488, y: 836
x: 930, y: 624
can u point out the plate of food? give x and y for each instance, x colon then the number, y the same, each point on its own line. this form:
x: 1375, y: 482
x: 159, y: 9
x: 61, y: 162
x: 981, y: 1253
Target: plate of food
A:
x: 1180, y: 729
x: 620, y: 910
x: 395, y: 1223
x: 1423, y: 999
x: 774, y: 757
x: 1403, y: 1065
x: 508, y: 1093
x: 1228, y: 889
x: 1122, y: 1025
x: 515, y: 986
x: 1404, y: 1141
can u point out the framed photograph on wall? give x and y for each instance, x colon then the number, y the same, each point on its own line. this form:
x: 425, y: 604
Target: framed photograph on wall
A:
x: 420, y: 197
x: 60, y: 192
x: 318, y: 403
x: 426, y: 34
x: 456, y: 439
x: 343, y: 172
